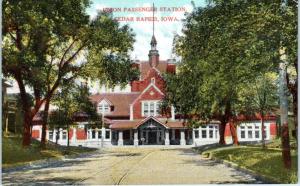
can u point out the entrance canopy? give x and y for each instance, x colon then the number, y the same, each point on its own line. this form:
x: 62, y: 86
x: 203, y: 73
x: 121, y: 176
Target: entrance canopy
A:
x: 152, y: 124
x: 149, y: 122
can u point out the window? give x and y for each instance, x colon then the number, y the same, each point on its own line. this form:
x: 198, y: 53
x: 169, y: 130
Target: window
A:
x: 251, y: 131
x: 216, y: 131
x: 93, y: 134
x: 64, y: 135
x: 99, y: 134
x: 250, y: 136
x: 107, y: 134
x: 158, y: 104
x: 150, y: 108
x: 50, y: 135
x: 146, y: 109
x: 211, y: 132
x: 203, y: 132
x: 103, y: 107
x: 196, y: 133
x: 257, y: 132
x: 243, y: 132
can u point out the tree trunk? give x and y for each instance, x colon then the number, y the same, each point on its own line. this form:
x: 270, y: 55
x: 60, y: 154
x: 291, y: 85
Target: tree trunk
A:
x: 263, y: 130
x: 45, y: 122
x: 283, y: 97
x: 222, y: 133
x: 295, y: 111
x: 27, y: 114
x: 26, y: 129
x: 56, y: 136
x: 233, y: 132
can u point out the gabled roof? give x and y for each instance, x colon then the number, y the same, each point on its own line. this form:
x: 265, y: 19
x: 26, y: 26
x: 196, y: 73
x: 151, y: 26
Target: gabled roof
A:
x: 149, y: 118
x: 120, y: 101
x: 146, y: 89
x: 145, y: 67
x: 134, y: 124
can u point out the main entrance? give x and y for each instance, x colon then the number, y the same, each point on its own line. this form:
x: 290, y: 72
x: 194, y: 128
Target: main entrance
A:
x: 152, y: 136
x: 151, y: 133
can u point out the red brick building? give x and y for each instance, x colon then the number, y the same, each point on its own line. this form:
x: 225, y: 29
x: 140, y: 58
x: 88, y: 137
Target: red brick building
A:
x: 134, y: 118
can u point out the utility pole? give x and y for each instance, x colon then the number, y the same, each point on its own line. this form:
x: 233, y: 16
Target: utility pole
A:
x: 283, y: 97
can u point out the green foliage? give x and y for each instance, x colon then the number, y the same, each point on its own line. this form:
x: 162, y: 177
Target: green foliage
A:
x: 259, y: 96
x: 72, y: 99
x: 44, y: 42
x: 226, y: 49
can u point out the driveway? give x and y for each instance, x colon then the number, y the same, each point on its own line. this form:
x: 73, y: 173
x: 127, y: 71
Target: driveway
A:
x: 115, y: 166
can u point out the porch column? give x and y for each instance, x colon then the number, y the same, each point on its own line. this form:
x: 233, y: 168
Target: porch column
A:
x: 102, y: 133
x: 136, y: 140
x: 182, y: 137
x: 157, y: 136
x: 167, y: 140
x: 96, y: 131
x: 54, y: 136
x: 60, y: 134
x: 173, y: 134
x: 120, y: 141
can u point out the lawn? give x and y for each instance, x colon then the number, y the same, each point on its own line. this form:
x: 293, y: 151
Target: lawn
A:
x: 266, y: 162
x: 13, y: 154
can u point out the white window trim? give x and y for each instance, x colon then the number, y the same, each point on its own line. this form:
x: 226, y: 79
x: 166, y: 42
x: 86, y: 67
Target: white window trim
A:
x: 215, y: 130
x: 156, y: 103
x: 267, y: 131
x: 102, y: 104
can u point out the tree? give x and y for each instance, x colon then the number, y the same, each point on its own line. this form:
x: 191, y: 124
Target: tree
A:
x: 72, y: 99
x: 234, y: 41
x: 261, y: 97
x: 41, y: 44
x: 224, y: 44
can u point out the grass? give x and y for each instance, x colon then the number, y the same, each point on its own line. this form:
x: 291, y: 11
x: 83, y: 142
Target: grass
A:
x: 13, y: 154
x: 266, y: 162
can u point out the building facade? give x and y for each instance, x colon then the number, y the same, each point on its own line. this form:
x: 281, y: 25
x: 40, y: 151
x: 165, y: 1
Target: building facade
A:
x: 134, y: 118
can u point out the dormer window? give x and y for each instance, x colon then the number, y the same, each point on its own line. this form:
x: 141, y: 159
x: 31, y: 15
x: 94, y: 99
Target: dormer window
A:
x: 104, y: 107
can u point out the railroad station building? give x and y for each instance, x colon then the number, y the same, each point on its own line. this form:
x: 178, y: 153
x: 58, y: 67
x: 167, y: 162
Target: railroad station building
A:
x: 134, y: 118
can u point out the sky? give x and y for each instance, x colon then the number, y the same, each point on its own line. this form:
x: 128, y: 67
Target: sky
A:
x: 164, y: 31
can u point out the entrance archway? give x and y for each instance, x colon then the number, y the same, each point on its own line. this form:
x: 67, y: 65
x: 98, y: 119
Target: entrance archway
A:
x: 151, y: 133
